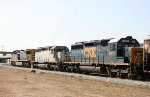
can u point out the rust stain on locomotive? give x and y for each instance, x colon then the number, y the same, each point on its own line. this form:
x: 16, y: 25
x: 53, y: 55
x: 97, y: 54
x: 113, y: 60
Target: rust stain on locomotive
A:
x: 136, y: 55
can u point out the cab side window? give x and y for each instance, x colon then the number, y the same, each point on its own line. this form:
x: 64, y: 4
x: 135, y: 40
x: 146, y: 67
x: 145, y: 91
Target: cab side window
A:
x: 112, y: 47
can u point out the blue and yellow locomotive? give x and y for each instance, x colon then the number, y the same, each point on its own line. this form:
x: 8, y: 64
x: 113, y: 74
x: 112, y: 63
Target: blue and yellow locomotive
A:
x: 114, y: 57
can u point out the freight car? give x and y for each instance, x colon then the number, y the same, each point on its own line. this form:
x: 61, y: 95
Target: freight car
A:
x: 114, y: 57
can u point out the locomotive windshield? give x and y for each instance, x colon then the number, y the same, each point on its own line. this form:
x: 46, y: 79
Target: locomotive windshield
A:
x: 77, y: 47
x: 90, y: 44
x: 104, y: 42
x: 28, y: 52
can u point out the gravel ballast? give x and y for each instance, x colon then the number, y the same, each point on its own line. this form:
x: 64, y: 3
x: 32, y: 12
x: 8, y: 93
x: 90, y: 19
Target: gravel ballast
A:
x: 98, y: 78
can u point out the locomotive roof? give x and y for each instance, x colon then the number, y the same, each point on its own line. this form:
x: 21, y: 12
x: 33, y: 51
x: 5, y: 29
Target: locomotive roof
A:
x: 147, y: 38
x: 107, y: 39
x: 43, y: 47
x: 77, y: 43
x: 29, y: 49
x: 92, y: 41
x: 117, y: 39
x: 114, y: 40
x: 48, y: 46
x: 39, y: 48
x: 16, y: 51
x: 80, y: 42
x: 53, y: 47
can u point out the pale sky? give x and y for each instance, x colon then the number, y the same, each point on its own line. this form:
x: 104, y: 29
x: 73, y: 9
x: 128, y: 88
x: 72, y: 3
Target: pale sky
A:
x: 35, y: 23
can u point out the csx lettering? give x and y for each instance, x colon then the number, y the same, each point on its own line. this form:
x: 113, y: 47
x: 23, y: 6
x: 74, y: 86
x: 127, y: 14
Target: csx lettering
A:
x: 90, y: 52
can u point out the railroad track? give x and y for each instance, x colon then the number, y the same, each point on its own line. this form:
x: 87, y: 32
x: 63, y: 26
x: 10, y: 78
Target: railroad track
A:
x: 83, y: 76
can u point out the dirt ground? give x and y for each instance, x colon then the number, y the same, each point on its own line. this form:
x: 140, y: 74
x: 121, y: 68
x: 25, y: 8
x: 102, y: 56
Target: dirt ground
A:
x: 20, y: 83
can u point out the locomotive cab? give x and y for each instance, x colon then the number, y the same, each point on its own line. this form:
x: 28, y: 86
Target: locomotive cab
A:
x: 117, y: 49
x: 14, y: 57
x: 61, y: 53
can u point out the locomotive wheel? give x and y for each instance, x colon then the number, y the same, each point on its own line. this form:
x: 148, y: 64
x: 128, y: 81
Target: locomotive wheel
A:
x: 123, y: 75
x: 13, y: 63
x: 27, y: 65
x: 56, y: 68
x: 72, y: 69
x: 112, y: 74
x: 67, y: 69
x: 49, y: 67
x: 139, y: 76
x: 23, y: 64
x: 77, y: 69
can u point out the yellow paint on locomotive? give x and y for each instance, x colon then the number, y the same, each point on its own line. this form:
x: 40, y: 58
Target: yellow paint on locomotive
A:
x: 136, y: 55
x: 90, y: 52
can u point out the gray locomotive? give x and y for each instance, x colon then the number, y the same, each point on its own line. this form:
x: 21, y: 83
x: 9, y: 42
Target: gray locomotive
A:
x: 43, y: 57
x: 51, y: 56
x: 23, y: 57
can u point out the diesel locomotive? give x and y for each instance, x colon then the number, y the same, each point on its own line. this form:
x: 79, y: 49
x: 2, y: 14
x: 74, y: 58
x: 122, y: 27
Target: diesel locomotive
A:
x: 112, y: 57
x: 43, y: 57
x: 23, y: 57
x: 49, y: 57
